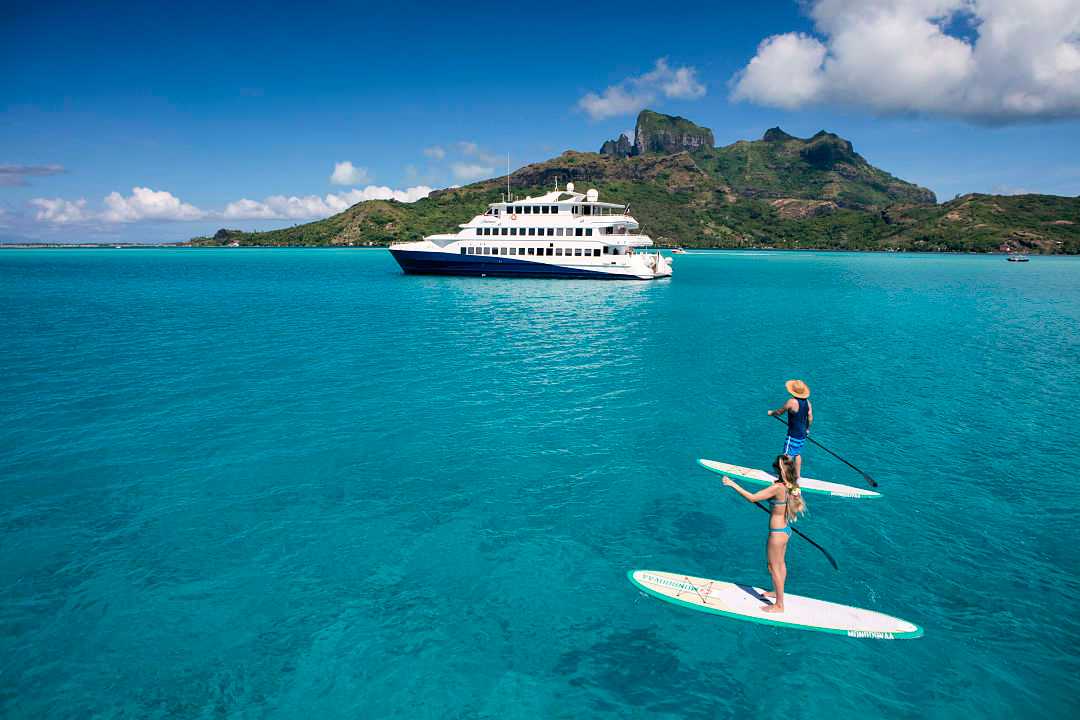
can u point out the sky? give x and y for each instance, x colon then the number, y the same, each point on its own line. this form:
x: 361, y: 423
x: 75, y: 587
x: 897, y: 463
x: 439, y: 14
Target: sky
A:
x: 156, y: 122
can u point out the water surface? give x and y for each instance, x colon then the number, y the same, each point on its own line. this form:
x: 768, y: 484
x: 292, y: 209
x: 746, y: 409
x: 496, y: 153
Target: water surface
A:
x: 289, y: 483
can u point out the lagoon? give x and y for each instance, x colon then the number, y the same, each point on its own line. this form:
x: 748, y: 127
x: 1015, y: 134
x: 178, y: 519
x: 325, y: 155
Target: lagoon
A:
x: 281, y: 483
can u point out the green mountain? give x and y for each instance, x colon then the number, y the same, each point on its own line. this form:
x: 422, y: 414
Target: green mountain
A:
x: 780, y: 191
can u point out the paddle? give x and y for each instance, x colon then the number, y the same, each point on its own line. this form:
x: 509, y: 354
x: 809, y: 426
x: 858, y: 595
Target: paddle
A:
x: 866, y: 476
x: 828, y: 557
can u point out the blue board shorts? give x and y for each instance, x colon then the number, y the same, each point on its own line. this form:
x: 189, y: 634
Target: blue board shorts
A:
x: 793, y: 446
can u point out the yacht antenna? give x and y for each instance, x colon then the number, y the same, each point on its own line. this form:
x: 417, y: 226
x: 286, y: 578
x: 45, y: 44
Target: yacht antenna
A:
x: 508, y: 197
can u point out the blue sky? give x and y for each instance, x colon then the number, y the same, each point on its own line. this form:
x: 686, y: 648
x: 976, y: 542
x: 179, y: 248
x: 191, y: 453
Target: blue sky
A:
x: 238, y: 116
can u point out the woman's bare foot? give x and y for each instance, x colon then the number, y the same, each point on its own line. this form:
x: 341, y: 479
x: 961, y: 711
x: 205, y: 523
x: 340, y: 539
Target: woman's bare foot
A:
x: 768, y: 593
x: 772, y: 608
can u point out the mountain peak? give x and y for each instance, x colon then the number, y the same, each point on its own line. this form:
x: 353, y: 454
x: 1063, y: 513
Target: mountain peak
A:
x: 659, y: 134
x: 775, y: 134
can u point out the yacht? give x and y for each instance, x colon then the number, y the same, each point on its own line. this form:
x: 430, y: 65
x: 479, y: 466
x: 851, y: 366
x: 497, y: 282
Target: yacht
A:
x: 563, y: 234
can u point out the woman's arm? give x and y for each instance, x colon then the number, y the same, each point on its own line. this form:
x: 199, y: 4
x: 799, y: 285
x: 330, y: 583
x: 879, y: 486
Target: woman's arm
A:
x: 760, y: 495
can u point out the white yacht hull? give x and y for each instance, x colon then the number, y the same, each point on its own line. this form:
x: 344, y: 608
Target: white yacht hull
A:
x: 416, y: 259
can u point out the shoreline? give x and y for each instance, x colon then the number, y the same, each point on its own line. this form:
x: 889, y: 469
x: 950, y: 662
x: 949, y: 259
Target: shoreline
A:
x: 689, y: 250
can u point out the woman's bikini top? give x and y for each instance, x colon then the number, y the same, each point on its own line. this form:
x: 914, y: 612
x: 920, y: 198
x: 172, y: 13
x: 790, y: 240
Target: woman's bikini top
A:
x: 773, y: 503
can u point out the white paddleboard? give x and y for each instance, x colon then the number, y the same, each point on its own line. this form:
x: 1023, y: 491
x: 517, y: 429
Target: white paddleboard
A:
x: 743, y: 602
x: 760, y: 477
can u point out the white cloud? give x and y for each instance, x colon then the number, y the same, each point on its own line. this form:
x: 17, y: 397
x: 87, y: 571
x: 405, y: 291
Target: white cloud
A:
x: 635, y: 93
x: 345, y: 173
x: 471, y: 171
x: 435, y: 152
x: 308, y: 207
x: 147, y: 204
x: 1010, y: 60
x: 474, y: 151
x: 248, y: 210
x: 61, y: 212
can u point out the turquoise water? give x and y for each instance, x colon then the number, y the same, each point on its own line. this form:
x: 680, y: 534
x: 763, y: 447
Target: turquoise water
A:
x: 300, y: 484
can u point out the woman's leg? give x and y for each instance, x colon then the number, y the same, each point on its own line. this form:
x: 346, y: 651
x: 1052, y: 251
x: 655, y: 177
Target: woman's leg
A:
x: 776, y: 550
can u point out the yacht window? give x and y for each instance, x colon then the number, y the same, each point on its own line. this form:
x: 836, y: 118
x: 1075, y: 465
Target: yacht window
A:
x: 555, y: 209
x: 577, y: 251
x: 513, y: 251
x: 505, y: 231
x: 532, y: 231
x: 577, y: 232
x: 606, y: 250
x: 550, y: 251
x: 532, y: 251
x: 528, y: 209
x: 462, y: 251
x: 588, y: 231
x: 558, y: 251
x: 558, y: 231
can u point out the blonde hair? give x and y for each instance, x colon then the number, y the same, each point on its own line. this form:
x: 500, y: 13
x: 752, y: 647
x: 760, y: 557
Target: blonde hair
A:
x: 785, y: 467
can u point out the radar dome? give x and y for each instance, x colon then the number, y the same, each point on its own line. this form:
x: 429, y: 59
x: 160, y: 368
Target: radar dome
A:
x: 592, y: 195
x: 570, y: 187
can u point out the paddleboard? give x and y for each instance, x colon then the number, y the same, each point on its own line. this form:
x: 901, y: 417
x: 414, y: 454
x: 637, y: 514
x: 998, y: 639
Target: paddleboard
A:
x: 743, y: 602
x: 809, y: 485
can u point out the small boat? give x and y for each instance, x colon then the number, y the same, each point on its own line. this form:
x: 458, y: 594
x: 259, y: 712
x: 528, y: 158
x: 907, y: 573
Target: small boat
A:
x: 1017, y: 258
x: 678, y: 251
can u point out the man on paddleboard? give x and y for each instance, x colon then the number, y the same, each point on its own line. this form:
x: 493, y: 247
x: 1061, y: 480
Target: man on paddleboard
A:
x: 800, y: 416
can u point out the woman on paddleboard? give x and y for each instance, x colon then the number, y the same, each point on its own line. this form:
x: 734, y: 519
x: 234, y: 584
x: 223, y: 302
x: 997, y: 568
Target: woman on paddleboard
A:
x: 800, y: 417
x: 785, y: 503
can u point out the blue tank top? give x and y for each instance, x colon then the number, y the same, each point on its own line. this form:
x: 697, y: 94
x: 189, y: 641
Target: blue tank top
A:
x: 798, y: 421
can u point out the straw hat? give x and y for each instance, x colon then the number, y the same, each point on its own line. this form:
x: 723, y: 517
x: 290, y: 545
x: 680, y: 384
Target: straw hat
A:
x: 798, y: 389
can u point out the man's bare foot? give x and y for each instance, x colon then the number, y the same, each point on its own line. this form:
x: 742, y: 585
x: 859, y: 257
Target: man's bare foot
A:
x: 772, y: 608
x: 769, y: 593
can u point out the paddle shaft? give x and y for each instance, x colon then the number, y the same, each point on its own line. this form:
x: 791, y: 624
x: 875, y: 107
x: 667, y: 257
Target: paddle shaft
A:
x: 872, y: 482
x: 828, y: 557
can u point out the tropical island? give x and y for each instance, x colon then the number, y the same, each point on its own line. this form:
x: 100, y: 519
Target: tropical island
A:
x: 779, y: 192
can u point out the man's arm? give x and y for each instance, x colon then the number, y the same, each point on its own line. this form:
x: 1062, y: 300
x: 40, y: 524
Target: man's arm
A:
x: 809, y: 414
x: 783, y: 409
